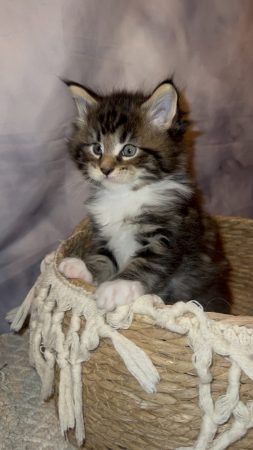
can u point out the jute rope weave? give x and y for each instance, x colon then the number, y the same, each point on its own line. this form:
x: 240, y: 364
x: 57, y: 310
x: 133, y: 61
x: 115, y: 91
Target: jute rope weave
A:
x: 65, y: 327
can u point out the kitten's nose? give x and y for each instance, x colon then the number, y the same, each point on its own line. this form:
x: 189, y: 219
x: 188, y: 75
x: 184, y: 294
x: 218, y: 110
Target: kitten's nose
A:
x: 106, y: 170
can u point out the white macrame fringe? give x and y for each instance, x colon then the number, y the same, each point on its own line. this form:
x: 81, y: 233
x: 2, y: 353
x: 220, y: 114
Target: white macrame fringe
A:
x: 50, y: 298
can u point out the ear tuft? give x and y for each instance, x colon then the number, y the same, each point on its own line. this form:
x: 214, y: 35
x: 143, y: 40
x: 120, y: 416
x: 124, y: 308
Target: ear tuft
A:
x: 83, y: 99
x: 161, y: 106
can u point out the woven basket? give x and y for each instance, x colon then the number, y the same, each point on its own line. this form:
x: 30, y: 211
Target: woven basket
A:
x: 118, y: 413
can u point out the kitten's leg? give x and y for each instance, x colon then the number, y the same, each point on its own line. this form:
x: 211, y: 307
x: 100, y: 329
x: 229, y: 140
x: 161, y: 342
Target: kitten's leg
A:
x: 101, y: 266
x: 75, y: 268
x: 142, y: 275
x: 98, y: 267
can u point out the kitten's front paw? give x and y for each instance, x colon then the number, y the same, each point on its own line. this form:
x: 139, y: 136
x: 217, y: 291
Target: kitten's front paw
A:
x: 118, y: 292
x: 75, y: 268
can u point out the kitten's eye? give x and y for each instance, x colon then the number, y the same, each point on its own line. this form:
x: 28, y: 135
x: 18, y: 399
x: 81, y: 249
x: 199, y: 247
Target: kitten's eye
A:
x: 128, y: 151
x: 97, y: 149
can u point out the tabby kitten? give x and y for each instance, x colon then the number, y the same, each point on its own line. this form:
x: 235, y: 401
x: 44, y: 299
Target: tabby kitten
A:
x: 150, y: 233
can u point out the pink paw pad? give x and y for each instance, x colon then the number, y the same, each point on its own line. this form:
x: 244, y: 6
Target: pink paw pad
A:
x: 118, y: 292
x: 75, y: 268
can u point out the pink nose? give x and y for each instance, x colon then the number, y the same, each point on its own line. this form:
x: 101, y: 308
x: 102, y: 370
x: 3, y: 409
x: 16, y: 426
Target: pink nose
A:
x: 106, y: 170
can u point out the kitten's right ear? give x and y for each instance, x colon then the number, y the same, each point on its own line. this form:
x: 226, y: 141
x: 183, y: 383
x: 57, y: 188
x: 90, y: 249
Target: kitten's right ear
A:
x: 161, y: 106
x: 83, y: 98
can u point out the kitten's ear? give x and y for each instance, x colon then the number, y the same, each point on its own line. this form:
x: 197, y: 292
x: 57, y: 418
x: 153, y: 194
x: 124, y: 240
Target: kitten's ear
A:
x: 161, y: 106
x: 83, y: 99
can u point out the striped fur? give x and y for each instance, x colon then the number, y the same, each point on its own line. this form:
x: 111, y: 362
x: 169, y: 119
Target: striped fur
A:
x: 149, y: 224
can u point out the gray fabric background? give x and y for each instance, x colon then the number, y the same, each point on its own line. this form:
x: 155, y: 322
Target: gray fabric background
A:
x: 207, y: 45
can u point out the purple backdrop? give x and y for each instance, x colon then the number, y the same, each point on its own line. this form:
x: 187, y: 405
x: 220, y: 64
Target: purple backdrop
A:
x: 207, y: 45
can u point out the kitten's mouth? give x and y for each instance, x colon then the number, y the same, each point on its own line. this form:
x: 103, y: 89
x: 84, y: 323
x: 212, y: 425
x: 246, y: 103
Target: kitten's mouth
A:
x: 107, y: 180
x: 111, y: 180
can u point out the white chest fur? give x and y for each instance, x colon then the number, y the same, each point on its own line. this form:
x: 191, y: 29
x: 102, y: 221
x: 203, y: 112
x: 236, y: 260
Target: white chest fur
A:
x: 113, y: 210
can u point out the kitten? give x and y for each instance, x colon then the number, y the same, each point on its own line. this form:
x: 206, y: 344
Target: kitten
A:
x: 150, y: 233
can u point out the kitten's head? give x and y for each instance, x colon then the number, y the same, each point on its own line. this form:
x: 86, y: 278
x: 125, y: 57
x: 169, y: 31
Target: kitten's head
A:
x: 127, y: 138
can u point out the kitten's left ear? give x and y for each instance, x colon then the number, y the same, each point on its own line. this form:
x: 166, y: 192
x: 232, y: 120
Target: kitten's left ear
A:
x: 83, y: 98
x: 161, y: 106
